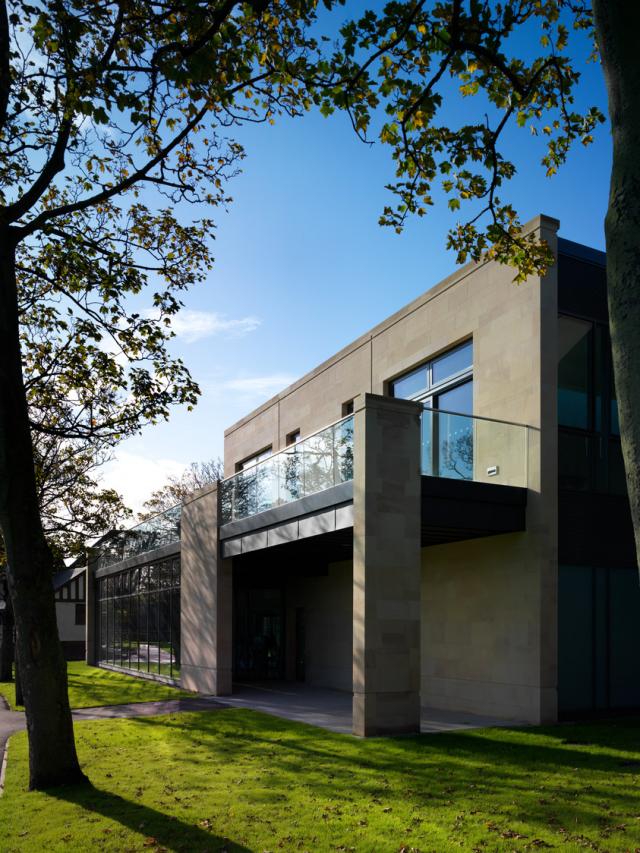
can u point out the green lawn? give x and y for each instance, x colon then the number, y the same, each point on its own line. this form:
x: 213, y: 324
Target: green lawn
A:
x: 238, y: 780
x: 90, y: 686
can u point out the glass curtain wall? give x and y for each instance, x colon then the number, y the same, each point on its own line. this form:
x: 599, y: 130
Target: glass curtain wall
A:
x: 139, y: 619
x: 590, y: 456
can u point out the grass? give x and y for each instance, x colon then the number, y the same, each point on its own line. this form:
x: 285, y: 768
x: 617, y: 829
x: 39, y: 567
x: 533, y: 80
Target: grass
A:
x: 90, y: 686
x: 237, y: 780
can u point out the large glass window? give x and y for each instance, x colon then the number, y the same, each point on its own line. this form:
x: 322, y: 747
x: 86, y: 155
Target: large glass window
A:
x: 139, y: 619
x: 446, y: 384
x: 433, y: 380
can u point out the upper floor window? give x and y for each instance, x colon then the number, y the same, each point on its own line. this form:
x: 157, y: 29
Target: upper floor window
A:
x: 347, y: 408
x: 251, y: 460
x: 293, y: 437
x: 444, y: 382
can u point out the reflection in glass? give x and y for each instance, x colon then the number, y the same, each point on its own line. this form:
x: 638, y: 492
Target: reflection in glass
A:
x: 458, y: 399
x: 163, y: 529
x: 266, y: 477
x: 139, y: 629
x: 175, y: 633
x: 464, y: 447
x: 447, y: 445
x: 290, y: 474
x: 452, y: 363
x: 411, y: 384
x: 343, y: 432
x: 574, y: 341
x: 319, y: 462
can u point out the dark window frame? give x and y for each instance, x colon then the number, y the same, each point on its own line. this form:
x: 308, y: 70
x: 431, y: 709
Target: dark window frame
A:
x: 432, y: 390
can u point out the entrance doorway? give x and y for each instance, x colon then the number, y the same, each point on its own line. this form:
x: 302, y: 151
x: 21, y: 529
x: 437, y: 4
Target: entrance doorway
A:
x: 259, y: 637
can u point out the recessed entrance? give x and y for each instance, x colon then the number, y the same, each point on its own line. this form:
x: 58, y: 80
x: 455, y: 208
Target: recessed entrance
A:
x: 292, y: 618
x: 259, y: 632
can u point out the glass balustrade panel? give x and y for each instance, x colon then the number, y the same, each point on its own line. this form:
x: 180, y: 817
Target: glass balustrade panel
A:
x: 318, y: 462
x: 290, y: 474
x: 266, y: 475
x: 462, y: 447
x: 343, y: 445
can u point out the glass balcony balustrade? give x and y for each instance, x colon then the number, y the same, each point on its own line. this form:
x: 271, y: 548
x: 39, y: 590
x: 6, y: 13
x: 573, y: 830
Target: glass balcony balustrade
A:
x: 466, y: 447
x: 319, y: 462
x: 162, y: 529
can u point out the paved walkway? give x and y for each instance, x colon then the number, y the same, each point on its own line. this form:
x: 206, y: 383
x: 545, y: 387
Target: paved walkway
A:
x: 328, y: 709
x: 331, y: 709
x: 14, y: 721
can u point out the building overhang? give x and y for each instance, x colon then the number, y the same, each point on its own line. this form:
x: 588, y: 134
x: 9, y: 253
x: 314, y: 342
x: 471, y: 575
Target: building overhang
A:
x: 452, y: 510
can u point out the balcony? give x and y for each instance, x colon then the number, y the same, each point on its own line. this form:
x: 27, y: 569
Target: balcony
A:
x: 149, y: 535
x: 467, y: 447
x: 319, y: 462
x: 474, y: 477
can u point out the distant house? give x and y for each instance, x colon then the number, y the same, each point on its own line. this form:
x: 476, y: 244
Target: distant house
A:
x: 70, y: 595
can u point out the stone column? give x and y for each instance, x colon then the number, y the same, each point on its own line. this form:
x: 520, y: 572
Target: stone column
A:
x: 386, y: 566
x: 205, y: 598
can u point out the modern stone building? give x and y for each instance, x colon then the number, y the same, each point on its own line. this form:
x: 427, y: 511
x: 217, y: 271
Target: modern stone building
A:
x: 435, y: 516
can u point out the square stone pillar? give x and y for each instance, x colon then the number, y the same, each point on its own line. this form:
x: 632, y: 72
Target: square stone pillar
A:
x: 205, y: 598
x: 386, y: 566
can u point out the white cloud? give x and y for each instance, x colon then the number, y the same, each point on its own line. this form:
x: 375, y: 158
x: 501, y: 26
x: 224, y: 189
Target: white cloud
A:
x: 135, y: 477
x: 253, y: 386
x: 195, y: 325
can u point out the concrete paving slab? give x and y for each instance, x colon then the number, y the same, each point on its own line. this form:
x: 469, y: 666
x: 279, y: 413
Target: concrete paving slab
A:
x: 332, y: 709
x: 148, y: 709
x: 317, y: 706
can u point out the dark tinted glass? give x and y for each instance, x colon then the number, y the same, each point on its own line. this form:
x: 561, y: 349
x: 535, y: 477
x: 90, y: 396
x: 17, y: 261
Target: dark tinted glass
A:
x: 615, y: 423
x: 574, y: 341
x: 574, y: 461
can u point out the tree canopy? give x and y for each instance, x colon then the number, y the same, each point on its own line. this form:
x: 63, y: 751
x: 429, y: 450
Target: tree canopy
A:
x: 196, y: 476
x: 116, y: 145
x: 395, y: 72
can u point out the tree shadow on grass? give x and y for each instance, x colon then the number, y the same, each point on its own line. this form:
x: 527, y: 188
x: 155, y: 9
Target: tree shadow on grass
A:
x: 160, y: 830
x: 502, y: 763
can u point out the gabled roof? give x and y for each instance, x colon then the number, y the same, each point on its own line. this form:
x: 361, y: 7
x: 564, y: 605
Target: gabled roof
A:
x: 63, y: 577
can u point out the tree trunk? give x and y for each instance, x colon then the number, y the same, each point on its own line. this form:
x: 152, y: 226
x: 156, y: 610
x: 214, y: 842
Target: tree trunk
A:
x: 52, y: 753
x: 617, y: 27
x: 6, y: 641
x: 18, y: 686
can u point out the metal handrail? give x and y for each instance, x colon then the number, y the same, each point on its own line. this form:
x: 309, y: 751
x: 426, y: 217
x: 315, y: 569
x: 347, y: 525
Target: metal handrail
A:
x: 475, y: 417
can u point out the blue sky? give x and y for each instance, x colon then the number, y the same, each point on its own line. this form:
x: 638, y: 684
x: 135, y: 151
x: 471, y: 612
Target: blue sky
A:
x: 302, y: 268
